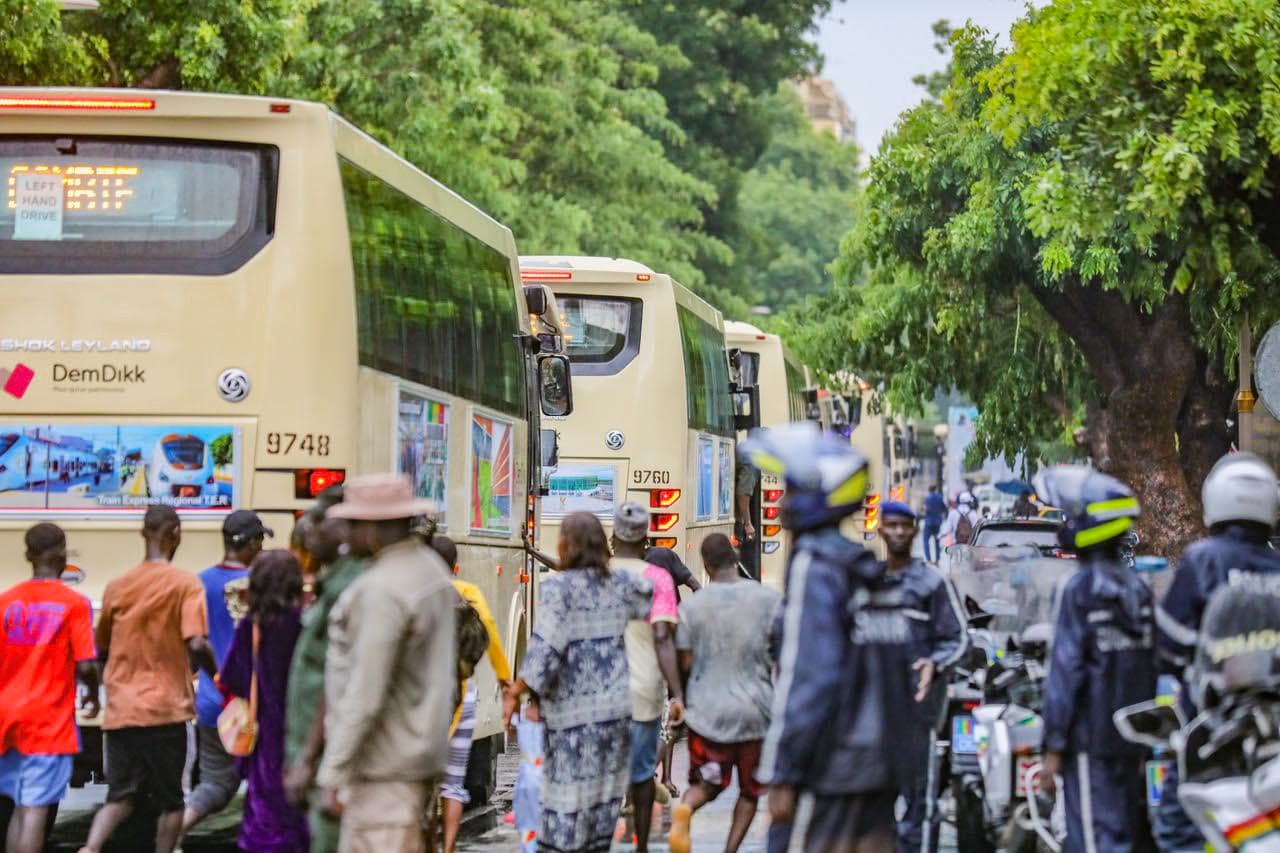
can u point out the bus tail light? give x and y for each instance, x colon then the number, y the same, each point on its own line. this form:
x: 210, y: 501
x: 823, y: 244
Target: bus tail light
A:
x: 770, y: 547
x: 75, y: 102
x: 663, y: 498
x: 873, y: 512
x: 772, y: 496
x: 771, y: 512
x: 546, y: 275
x: 664, y: 542
x: 772, y: 529
x: 661, y: 522
x: 310, y: 482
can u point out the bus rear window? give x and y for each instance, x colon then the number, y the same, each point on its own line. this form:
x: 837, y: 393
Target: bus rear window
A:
x: 102, y: 205
x: 603, y: 333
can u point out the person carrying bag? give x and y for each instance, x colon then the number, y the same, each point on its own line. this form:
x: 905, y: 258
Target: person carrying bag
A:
x: 238, y: 722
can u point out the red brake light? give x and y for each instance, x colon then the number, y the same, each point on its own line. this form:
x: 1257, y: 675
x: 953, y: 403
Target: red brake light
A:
x: 310, y: 482
x: 772, y: 495
x: 281, y: 108
x: 663, y: 498
x: 661, y: 522
x: 771, y: 512
x: 75, y: 102
x: 546, y: 275
x: 643, y: 276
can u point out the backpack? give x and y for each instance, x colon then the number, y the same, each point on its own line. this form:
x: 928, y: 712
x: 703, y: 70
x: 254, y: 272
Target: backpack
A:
x: 472, y: 636
x: 964, y: 529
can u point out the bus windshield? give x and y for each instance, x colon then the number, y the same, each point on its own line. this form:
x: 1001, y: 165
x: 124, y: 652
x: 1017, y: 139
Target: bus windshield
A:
x: 84, y: 204
x: 603, y: 334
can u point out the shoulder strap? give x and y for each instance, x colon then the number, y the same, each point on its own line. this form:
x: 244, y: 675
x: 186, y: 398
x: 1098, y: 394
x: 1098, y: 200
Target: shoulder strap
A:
x: 253, y: 675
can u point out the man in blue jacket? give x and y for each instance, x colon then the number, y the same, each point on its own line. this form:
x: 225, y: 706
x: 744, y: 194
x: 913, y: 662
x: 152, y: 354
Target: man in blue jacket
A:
x: 1102, y: 660
x: 1240, y: 506
x: 934, y: 619
x: 844, y: 677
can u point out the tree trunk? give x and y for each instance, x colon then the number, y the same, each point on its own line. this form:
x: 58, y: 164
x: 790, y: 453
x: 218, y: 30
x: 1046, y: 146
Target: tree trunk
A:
x: 1145, y: 365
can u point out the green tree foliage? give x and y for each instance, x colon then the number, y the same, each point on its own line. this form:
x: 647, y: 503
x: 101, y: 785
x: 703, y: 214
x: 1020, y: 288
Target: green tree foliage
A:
x: 222, y: 449
x: 1078, y: 223
x: 617, y: 127
x: 213, y: 45
x: 794, y: 206
x: 731, y: 54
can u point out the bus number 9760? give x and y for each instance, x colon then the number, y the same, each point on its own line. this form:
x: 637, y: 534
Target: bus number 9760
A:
x: 649, y: 476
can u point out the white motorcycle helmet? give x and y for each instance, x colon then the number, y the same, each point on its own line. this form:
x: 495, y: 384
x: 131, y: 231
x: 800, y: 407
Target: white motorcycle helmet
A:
x: 1241, y: 487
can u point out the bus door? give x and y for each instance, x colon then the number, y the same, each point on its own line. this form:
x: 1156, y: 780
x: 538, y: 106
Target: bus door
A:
x: 744, y: 387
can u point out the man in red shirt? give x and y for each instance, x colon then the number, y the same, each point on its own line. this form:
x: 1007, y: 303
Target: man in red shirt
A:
x: 46, y: 644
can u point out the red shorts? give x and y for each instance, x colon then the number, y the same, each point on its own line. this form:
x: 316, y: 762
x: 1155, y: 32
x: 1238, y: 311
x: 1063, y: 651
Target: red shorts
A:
x: 712, y: 763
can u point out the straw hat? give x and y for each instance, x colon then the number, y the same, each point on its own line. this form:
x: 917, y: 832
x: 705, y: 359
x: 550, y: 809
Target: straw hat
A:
x: 380, y: 497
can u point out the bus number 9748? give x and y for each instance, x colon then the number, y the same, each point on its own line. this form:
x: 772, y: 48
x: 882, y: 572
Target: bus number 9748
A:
x: 647, y: 476
x: 308, y: 443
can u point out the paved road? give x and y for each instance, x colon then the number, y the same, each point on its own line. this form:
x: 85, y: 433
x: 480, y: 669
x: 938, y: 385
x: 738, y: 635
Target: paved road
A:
x: 710, y: 824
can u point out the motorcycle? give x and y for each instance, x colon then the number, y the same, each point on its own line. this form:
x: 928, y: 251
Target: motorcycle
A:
x: 995, y: 744
x: 1228, y: 755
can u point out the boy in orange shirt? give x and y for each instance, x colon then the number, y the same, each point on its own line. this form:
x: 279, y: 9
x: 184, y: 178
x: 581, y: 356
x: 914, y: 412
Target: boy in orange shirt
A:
x: 46, y: 645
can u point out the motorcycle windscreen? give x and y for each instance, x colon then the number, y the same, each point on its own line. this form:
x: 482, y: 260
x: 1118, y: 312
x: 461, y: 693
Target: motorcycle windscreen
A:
x: 1017, y: 587
x: 1239, y: 639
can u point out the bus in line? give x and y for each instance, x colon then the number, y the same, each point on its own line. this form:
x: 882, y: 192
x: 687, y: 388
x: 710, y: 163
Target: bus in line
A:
x: 254, y: 290
x: 654, y: 418
x: 782, y: 381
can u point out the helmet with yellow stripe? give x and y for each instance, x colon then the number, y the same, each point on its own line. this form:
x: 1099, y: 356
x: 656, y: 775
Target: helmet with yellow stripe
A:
x: 1098, y: 507
x: 826, y: 478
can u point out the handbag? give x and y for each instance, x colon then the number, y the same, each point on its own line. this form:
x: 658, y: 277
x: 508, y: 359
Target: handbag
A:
x: 238, y: 721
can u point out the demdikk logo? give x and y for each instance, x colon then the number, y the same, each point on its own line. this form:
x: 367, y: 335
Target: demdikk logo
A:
x: 16, y: 382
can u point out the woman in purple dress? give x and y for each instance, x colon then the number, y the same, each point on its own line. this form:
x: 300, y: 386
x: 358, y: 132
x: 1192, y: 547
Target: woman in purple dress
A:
x: 275, y: 591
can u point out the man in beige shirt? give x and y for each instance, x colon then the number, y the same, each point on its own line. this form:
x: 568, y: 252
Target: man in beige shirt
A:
x: 389, y: 673
x: 152, y: 625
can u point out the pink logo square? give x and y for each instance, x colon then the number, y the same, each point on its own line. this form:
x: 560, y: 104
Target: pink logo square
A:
x: 16, y: 382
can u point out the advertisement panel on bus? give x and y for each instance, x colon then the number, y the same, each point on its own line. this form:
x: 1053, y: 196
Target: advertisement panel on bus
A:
x: 101, y: 467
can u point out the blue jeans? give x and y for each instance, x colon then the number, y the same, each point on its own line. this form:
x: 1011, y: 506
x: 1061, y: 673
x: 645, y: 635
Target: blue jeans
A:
x: 931, y: 529
x: 644, y: 749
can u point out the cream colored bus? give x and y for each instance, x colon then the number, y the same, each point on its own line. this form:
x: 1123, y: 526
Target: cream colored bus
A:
x: 216, y: 302
x: 782, y: 381
x: 653, y: 419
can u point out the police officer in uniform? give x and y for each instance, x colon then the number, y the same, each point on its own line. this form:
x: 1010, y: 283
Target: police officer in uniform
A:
x: 1102, y: 659
x: 1240, y: 507
x: 833, y: 753
x: 934, y: 619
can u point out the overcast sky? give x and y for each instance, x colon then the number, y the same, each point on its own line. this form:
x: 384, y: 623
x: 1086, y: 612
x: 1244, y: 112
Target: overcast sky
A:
x: 874, y: 47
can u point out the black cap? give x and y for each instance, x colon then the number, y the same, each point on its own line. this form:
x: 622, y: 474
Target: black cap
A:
x: 244, y: 525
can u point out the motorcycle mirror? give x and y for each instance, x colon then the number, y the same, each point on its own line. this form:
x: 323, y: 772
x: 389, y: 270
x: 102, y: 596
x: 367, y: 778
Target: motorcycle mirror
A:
x: 1150, y: 723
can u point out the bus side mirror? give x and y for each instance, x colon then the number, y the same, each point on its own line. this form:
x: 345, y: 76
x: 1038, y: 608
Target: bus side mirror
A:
x: 550, y: 446
x: 554, y: 389
x: 855, y: 410
x: 746, y: 409
x: 537, y: 299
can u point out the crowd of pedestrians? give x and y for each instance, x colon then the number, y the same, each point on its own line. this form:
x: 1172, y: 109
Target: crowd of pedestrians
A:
x: 360, y: 682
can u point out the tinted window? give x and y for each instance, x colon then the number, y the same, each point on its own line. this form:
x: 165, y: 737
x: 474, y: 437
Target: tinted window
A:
x: 603, y: 334
x: 95, y: 205
x: 433, y: 303
x: 795, y: 389
x: 1004, y: 537
x: 706, y: 368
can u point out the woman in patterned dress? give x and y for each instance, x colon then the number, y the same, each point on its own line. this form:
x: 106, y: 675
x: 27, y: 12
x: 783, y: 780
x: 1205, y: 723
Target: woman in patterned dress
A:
x: 576, y: 671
